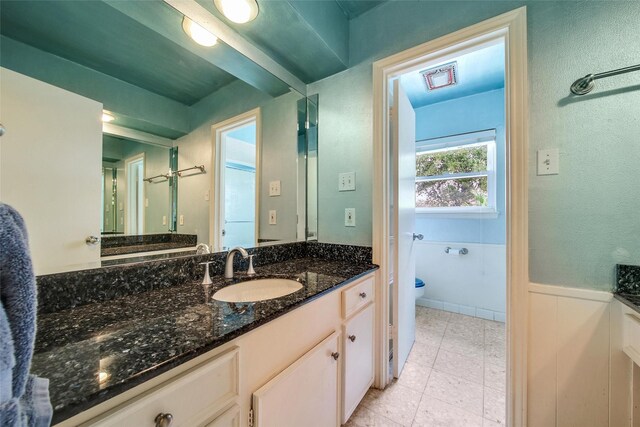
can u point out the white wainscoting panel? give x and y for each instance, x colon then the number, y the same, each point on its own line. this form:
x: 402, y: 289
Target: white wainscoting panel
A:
x: 472, y: 284
x: 568, y: 357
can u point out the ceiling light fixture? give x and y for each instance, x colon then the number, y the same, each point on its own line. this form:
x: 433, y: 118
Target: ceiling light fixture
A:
x: 106, y: 117
x: 238, y: 11
x: 197, y: 33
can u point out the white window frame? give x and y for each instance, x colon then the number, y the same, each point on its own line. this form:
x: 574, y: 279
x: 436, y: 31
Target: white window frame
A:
x: 455, y: 142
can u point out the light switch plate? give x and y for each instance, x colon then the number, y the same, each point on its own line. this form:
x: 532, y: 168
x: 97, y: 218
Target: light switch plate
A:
x: 347, y: 181
x: 164, y: 220
x: 181, y: 220
x: 206, y: 196
x: 350, y: 217
x: 548, y: 162
x: 272, y: 218
x: 274, y: 188
x: 146, y: 202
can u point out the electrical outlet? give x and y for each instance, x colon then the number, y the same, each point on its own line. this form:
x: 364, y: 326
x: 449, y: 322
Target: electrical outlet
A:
x: 350, y: 217
x: 347, y: 181
x: 272, y: 218
x: 548, y: 162
x: 181, y: 220
x: 274, y: 188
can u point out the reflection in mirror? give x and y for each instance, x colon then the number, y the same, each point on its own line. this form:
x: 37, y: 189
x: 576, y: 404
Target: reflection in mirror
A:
x: 55, y: 88
x: 308, y: 167
x: 237, y: 154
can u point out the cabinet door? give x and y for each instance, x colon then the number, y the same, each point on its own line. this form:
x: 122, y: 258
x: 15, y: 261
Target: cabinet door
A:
x: 304, y: 394
x: 358, y: 360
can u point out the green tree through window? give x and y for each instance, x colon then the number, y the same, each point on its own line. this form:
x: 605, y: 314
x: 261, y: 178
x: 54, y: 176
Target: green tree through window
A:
x: 452, y: 178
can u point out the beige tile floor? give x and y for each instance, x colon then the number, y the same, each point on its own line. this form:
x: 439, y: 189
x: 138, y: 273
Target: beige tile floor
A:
x: 454, y: 377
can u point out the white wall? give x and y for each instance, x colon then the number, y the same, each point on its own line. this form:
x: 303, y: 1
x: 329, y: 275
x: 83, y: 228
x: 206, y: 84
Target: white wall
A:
x: 472, y: 284
x: 44, y: 122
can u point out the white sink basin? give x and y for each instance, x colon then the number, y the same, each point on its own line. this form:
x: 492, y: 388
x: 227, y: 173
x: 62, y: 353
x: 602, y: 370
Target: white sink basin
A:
x: 257, y: 290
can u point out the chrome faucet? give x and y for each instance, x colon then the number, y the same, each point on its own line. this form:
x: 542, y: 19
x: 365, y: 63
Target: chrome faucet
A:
x: 202, y: 248
x: 228, y: 268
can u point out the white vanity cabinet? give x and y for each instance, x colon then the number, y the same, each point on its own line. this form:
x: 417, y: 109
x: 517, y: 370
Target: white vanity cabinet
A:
x: 300, y: 369
x: 304, y: 394
x: 358, y: 343
x: 199, y: 397
x: 358, y: 359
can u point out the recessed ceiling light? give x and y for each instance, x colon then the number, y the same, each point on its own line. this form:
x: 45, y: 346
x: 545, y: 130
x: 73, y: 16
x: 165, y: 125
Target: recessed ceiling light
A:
x: 441, y: 76
x: 106, y: 117
x: 198, y: 34
x: 238, y: 11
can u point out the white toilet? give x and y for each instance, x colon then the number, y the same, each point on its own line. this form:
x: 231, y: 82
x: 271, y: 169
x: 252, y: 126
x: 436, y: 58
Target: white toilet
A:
x: 420, y: 288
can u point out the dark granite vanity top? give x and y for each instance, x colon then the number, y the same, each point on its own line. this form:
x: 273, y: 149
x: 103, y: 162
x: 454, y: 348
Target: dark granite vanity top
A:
x: 628, y: 285
x: 129, y: 244
x: 93, y: 352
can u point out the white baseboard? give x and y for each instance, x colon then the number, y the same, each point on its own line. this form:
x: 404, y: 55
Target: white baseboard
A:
x: 462, y: 309
x: 565, y: 291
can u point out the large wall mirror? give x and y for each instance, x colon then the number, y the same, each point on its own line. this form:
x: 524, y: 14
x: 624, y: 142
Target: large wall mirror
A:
x: 128, y: 139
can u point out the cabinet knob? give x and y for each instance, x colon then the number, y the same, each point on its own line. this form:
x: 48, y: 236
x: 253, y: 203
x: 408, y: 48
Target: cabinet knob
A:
x: 163, y: 420
x: 352, y: 338
x: 335, y: 355
x: 363, y: 294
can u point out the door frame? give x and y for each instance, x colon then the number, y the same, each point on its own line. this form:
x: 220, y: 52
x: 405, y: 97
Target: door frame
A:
x: 511, y: 27
x: 217, y: 178
x: 127, y: 209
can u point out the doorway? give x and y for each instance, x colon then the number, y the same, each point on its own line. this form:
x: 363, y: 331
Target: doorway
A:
x: 236, y: 182
x: 510, y: 30
x: 134, y: 170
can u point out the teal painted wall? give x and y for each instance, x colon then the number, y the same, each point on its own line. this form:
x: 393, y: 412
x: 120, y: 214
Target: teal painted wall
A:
x: 583, y: 221
x: 344, y: 145
x: 468, y: 114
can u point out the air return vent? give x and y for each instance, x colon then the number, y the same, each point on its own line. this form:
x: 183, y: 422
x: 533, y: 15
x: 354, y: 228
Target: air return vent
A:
x: 441, y: 76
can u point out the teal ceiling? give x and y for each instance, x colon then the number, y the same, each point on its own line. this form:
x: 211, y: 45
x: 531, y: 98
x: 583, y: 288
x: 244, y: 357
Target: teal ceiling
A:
x: 134, y: 57
x: 97, y: 36
x: 478, y: 71
x: 355, y: 8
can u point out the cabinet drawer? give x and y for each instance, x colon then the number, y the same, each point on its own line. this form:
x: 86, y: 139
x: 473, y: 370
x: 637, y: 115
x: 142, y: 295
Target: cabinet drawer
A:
x: 192, y: 398
x: 358, y: 360
x: 357, y: 296
x: 631, y: 337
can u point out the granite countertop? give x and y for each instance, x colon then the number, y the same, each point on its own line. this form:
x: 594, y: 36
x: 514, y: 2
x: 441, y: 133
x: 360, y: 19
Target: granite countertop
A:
x: 632, y: 301
x: 145, y: 247
x: 628, y: 285
x: 93, y: 352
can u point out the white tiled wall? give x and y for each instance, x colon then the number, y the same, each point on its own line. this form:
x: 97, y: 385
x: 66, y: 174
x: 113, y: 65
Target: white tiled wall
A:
x: 473, y: 284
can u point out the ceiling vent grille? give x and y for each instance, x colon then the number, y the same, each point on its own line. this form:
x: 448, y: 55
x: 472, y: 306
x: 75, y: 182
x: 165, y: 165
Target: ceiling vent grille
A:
x: 441, y: 76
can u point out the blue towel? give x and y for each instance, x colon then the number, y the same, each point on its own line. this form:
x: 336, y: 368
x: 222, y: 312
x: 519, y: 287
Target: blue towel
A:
x: 24, y: 399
